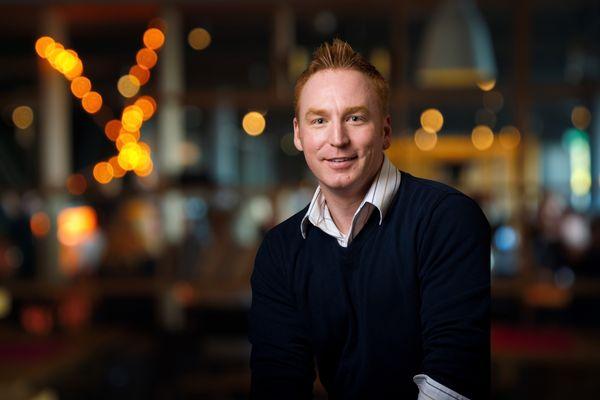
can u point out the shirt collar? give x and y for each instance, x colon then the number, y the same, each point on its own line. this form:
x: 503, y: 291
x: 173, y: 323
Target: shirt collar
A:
x: 380, y: 195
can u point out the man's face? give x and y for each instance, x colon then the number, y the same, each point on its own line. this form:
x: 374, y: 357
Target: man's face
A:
x: 341, y: 130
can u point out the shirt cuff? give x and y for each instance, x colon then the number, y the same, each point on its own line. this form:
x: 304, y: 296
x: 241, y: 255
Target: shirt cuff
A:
x: 430, y: 389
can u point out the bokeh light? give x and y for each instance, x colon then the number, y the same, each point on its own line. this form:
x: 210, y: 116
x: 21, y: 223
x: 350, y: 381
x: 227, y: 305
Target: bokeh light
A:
x: 432, y: 120
x: 22, y: 117
x: 112, y: 129
x: 124, y: 138
x: 39, y: 224
x: 581, y: 117
x: 76, y: 71
x: 118, y: 172
x: 142, y: 74
x: 80, y: 86
x: 199, y: 38
x: 92, y: 102
x: 147, y: 105
x: 42, y: 44
x: 146, y: 58
x: 254, y: 123
x: 153, y: 38
x: 76, y: 184
x: 144, y: 166
x: 509, y: 137
x: 76, y: 224
x: 130, y: 156
x: 487, y: 85
x: 425, y: 140
x: 37, y: 320
x: 5, y: 302
x: 482, y: 137
x: 103, y: 172
x: 128, y: 86
x: 132, y: 118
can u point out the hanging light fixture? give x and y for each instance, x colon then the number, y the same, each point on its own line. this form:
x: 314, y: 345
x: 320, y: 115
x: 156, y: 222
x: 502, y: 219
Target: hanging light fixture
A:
x: 457, y: 48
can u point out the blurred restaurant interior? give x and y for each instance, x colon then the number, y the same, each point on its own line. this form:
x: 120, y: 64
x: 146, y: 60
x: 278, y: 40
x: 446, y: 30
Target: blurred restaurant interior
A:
x: 146, y: 147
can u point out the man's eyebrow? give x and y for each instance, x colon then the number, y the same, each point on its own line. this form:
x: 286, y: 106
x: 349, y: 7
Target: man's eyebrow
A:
x: 316, y: 111
x: 357, y: 109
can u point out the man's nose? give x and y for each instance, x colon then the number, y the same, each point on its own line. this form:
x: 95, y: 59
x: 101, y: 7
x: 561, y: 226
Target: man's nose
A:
x: 338, y: 137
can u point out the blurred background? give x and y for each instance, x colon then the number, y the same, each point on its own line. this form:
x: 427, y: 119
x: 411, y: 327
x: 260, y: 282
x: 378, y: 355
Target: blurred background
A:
x: 146, y: 147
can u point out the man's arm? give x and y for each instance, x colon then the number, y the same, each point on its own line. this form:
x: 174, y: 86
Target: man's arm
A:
x: 281, y: 361
x: 454, y: 273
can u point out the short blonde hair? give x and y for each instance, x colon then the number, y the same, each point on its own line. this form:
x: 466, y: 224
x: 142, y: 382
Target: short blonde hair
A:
x: 340, y: 55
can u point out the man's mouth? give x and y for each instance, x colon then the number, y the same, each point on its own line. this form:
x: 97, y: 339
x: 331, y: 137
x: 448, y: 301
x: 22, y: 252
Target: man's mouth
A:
x: 341, y: 159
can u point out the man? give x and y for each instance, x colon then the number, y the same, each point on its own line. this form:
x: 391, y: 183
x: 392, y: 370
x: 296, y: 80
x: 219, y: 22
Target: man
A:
x: 383, y: 278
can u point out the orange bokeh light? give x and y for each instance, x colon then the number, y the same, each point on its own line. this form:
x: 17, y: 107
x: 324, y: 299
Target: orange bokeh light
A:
x: 118, y: 172
x: 103, y: 172
x: 37, y: 320
x: 147, y: 105
x: 80, y: 86
x: 112, y: 129
x: 132, y: 118
x: 125, y: 138
x: 145, y: 165
x: 76, y: 184
x: 130, y: 156
x: 42, y: 44
x: 76, y: 71
x: 154, y: 38
x: 92, y: 102
x: 76, y: 224
x: 142, y: 74
x: 40, y: 224
x: 146, y: 57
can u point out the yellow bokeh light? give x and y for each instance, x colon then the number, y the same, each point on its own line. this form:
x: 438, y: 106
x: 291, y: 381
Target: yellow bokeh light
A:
x: 132, y: 118
x: 103, y: 172
x: 39, y: 224
x: 432, y: 120
x: 146, y: 58
x: 65, y: 61
x: 125, y: 138
x: 42, y: 44
x: 130, y: 156
x: 509, y: 137
x: 144, y: 166
x: 147, y: 105
x: 76, y: 224
x: 128, y: 85
x: 482, y: 137
x: 56, y: 50
x: 80, y: 86
x: 142, y: 74
x: 92, y: 102
x: 22, y: 117
x: 581, y: 117
x: 488, y: 85
x: 5, y: 302
x: 76, y: 184
x: 199, y: 38
x: 153, y: 38
x: 425, y: 140
x: 581, y: 181
x: 118, y: 172
x: 76, y: 71
x: 112, y: 129
x: 254, y: 123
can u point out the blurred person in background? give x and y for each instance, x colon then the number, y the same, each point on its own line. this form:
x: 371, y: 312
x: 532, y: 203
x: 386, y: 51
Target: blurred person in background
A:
x: 384, y: 278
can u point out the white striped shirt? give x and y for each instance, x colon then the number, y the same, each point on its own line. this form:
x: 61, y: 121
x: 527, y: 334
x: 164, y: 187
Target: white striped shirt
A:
x: 379, y: 197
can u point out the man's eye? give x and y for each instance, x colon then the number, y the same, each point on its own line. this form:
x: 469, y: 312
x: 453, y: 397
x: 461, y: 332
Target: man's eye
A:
x: 318, y: 121
x: 355, y: 118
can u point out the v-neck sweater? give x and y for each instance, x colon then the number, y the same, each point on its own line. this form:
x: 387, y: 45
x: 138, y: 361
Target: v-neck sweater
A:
x: 410, y: 296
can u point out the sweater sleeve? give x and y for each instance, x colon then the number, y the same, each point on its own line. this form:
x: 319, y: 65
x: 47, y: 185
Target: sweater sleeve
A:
x: 281, y: 359
x: 454, y: 274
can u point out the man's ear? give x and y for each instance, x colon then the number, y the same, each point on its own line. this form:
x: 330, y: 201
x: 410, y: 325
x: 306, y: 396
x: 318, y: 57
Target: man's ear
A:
x: 387, y: 132
x: 297, y: 141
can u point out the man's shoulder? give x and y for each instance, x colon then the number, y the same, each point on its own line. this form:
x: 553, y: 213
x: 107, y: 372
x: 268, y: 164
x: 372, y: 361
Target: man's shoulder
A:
x: 287, y: 231
x: 424, y: 193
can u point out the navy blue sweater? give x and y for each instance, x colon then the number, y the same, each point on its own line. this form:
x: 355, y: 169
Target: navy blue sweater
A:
x: 406, y: 297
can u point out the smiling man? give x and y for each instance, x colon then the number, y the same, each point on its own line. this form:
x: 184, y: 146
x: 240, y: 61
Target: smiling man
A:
x: 384, y: 278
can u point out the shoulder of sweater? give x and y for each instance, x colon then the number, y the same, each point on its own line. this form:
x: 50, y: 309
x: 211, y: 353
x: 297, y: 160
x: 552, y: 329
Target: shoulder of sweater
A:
x: 287, y: 231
